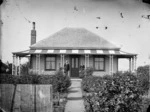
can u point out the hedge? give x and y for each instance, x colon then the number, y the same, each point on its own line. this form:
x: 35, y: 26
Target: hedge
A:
x: 117, y: 93
x: 86, y: 72
x: 59, y: 81
x: 143, y: 78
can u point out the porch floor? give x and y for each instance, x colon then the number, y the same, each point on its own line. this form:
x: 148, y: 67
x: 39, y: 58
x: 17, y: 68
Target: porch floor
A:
x: 75, y: 101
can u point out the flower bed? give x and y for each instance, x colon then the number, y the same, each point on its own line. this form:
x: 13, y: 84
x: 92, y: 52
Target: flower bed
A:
x: 117, y: 93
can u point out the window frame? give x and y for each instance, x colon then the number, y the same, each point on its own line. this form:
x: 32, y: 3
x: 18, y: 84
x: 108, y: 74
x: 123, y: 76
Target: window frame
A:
x: 99, y: 61
x: 49, y: 61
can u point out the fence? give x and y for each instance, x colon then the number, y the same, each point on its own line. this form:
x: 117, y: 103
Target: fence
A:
x: 26, y: 98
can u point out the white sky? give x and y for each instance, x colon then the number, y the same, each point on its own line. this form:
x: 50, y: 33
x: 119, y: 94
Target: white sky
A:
x: 53, y: 15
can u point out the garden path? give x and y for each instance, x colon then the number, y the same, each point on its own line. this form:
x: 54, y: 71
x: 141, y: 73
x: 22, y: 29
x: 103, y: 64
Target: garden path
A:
x: 75, y: 101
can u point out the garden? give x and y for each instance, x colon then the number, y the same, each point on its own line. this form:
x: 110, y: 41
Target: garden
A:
x: 120, y: 92
x: 60, y: 84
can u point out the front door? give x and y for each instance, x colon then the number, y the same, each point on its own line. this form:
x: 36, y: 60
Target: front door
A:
x: 74, y: 66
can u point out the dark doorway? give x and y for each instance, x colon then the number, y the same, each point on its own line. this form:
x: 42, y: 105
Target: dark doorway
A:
x: 74, y: 66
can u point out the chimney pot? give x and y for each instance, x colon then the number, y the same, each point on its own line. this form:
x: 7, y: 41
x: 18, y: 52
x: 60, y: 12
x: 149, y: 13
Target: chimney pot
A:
x: 33, y: 25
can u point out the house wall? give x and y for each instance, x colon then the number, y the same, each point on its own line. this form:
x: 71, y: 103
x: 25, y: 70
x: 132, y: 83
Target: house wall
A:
x: 82, y: 60
x: 106, y: 71
x: 42, y: 65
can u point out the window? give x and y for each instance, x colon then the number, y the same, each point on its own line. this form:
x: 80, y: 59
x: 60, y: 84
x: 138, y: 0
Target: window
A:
x: 50, y: 63
x: 99, y: 63
x: 76, y: 62
x: 72, y: 62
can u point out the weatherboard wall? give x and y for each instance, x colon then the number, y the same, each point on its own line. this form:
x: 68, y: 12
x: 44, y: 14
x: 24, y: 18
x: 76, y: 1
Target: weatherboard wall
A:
x: 67, y: 57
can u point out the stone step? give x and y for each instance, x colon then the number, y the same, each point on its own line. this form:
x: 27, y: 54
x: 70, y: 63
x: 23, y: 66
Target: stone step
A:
x: 75, y: 106
x: 75, y: 98
x: 76, y: 79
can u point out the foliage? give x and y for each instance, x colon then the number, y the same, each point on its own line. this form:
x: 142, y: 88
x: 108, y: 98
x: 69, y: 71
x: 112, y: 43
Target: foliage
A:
x: 8, y: 79
x: 87, y: 72
x: 5, y: 67
x: 143, y: 77
x: 59, y: 102
x: 59, y: 81
x: 117, y: 93
x: 25, y: 68
x: 89, y: 83
x: 82, y: 73
x: 29, y: 79
x: 145, y: 104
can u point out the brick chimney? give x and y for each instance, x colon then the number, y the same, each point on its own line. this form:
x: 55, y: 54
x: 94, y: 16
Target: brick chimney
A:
x: 33, y: 34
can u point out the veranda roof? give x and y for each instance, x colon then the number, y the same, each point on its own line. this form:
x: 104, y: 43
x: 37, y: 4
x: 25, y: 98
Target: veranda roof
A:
x: 79, y: 51
x: 74, y: 38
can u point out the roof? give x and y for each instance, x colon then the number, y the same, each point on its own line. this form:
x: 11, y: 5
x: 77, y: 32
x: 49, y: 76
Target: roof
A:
x: 93, y: 52
x: 74, y: 38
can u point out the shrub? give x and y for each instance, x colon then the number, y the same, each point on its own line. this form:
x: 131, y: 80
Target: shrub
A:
x: 82, y: 73
x: 90, y: 83
x: 25, y: 68
x: 8, y: 79
x: 143, y: 77
x: 29, y: 79
x: 145, y: 104
x: 59, y: 81
x: 117, y: 93
x: 46, y: 79
x: 87, y: 72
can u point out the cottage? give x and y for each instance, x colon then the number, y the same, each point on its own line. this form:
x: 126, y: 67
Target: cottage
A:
x: 77, y: 45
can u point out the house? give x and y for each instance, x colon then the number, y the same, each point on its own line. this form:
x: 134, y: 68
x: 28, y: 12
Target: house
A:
x: 78, y: 46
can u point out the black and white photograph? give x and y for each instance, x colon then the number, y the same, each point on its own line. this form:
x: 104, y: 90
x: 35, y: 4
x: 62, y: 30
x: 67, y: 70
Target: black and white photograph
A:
x: 74, y: 55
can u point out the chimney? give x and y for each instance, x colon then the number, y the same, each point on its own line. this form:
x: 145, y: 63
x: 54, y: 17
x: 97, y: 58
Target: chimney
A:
x: 33, y: 34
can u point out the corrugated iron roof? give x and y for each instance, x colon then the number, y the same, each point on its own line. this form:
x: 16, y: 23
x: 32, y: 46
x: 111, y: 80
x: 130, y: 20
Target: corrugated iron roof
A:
x: 92, y: 52
x: 74, y: 38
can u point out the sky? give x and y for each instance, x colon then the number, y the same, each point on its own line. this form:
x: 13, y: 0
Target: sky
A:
x: 126, y: 22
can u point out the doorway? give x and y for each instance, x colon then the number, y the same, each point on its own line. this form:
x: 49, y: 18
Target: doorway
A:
x: 74, y: 66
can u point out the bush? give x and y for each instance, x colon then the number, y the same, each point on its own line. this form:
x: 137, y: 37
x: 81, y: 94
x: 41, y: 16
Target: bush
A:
x: 90, y: 83
x: 117, y: 93
x: 143, y: 77
x: 82, y: 73
x: 87, y: 72
x: 145, y: 104
x: 25, y: 68
x: 59, y: 81
x: 8, y: 79
x: 29, y: 79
